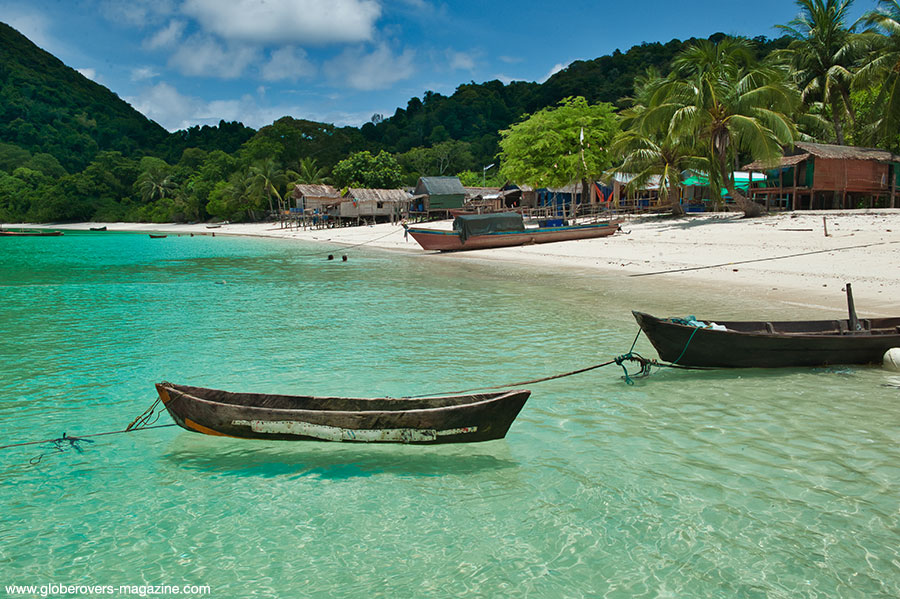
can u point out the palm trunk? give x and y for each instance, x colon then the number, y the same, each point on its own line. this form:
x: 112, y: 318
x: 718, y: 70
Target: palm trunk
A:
x: 677, y: 208
x: 748, y: 207
x: 838, y: 125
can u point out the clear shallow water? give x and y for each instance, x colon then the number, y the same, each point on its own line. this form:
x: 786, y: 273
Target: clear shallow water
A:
x: 687, y: 484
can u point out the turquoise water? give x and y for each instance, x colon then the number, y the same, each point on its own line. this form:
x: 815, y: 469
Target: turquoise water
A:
x: 686, y: 484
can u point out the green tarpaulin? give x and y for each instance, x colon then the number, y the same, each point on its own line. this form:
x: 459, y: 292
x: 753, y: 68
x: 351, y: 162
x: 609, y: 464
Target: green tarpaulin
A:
x: 481, y: 224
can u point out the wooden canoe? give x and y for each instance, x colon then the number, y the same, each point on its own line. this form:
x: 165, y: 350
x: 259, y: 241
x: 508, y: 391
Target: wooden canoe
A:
x: 152, y: 236
x: 758, y: 344
x: 30, y: 233
x: 451, y: 419
x: 451, y: 241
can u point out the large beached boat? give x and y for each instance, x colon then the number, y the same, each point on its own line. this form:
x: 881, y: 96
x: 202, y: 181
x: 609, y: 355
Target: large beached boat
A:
x: 504, y: 229
x: 431, y: 420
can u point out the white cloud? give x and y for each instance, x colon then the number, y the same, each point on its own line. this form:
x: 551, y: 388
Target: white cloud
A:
x: 143, y: 73
x: 307, y: 22
x: 166, y: 37
x: 556, y: 69
x: 89, y: 73
x: 461, y: 60
x: 510, y: 59
x: 137, y: 12
x: 174, y: 110
x: 287, y: 63
x: 203, y: 56
x: 31, y: 24
x: 378, y: 70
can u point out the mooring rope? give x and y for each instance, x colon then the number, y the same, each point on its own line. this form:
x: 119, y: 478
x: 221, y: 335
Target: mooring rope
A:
x: 689, y: 268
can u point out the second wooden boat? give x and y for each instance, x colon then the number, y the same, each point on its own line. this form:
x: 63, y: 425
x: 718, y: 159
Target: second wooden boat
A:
x: 450, y: 419
x: 505, y: 229
x: 152, y: 236
x: 772, y: 344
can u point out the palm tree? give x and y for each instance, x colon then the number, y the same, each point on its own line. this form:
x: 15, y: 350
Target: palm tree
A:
x: 647, y: 156
x: 882, y: 69
x: 648, y: 151
x: 720, y: 99
x: 309, y: 172
x: 821, y: 53
x: 269, y: 178
x: 156, y: 184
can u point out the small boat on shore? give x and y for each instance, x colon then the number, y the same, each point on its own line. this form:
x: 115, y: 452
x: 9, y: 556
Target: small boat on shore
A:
x: 775, y: 344
x: 432, y: 420
x: 152, y: 236
x: 4, y: 233
x: 504, y: 229
x: 98, y: 228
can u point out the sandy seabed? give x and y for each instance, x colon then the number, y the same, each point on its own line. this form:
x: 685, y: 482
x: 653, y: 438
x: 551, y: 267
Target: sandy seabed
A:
x: 785, y: 256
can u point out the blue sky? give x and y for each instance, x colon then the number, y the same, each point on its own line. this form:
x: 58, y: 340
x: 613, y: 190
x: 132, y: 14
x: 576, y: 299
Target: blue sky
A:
x: 189, y: 62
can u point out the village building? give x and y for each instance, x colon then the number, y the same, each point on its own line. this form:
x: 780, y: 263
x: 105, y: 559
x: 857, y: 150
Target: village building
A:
x: 438, y: 194
x: 318, y: 199
x: 374, y: 205
x: 823, y: 176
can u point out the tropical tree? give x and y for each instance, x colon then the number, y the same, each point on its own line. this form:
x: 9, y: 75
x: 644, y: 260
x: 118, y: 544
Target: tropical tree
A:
x: 720, y: 98
x: 647, y: 156
x: 821, y: 55
x: 362, y: 169
x: 882, y: 69
x: 155, y: 182
x: 309, y: 172
x: 556, y: 146
x: 268, y: 177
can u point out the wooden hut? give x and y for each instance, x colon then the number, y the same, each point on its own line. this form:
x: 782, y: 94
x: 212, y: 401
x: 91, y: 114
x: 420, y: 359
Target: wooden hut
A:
x: 374, y: 204
x: 440, y: 194
x: 816, y: 176
x: 315, y: 198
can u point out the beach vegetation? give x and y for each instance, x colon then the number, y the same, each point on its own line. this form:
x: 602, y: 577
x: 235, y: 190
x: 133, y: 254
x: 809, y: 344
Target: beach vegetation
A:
x: 363, y: 169
x: 557, y: 146
x: 720, y: 99
x: 880, y: 74
x: 822, y: 55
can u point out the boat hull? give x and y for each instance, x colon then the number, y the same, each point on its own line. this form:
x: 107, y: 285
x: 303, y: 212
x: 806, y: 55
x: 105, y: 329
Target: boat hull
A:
x: 455, y: 419
x: 30, y: 233
x: 450, y: 241
x: 771, y: 344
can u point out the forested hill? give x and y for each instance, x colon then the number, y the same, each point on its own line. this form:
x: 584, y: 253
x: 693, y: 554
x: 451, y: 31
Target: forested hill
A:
x: 476, y: 112
x: 47, y: 107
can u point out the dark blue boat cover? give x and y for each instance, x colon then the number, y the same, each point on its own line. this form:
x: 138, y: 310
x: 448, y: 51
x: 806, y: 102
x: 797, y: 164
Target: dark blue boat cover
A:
x: 470, y: 225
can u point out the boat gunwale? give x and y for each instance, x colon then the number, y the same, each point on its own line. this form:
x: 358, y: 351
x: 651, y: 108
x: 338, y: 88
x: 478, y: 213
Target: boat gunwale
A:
x: 867, y: 333
x: 301, y: 411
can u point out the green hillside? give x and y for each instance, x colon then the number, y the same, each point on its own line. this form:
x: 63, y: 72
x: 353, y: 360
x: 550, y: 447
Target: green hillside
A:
x: 47, y: 107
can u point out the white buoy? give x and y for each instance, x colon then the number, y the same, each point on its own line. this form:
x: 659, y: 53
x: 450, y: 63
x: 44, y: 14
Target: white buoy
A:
x: 892, y: 359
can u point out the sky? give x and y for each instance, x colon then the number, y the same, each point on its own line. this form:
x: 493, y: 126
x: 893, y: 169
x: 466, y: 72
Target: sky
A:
x: 195, y: 62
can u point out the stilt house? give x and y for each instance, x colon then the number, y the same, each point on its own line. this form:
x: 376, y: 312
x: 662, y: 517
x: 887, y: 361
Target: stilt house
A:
x: 822, y: 176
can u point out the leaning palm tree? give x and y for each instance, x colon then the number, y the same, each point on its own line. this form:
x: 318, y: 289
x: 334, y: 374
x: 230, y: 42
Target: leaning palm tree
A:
x: 882, y: 68
x: 821, y: 55
x: 721, y: 99
x: 269, y: 178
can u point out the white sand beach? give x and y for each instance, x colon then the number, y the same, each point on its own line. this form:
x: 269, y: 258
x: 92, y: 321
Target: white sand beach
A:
x: 785, y: 256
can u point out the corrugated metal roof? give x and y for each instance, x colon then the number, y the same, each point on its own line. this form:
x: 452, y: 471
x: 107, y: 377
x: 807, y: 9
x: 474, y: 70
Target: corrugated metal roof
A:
x: 440, y: 186
x: 378, y: 195
x: 315, y: 191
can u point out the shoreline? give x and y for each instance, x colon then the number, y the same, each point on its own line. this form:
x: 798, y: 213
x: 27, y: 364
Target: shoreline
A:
x: 785, y: 255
